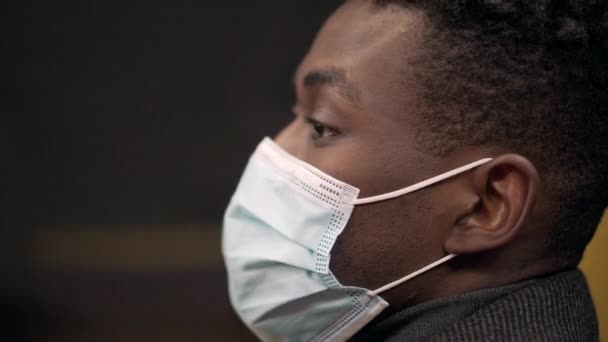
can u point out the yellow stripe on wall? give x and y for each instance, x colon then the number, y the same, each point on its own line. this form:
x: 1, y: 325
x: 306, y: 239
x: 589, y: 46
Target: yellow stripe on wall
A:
x: 133, y: 248
x: 596, y: 270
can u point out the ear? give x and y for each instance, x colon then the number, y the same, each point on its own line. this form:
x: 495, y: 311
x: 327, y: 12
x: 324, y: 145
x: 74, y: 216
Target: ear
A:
x: 503, y: 192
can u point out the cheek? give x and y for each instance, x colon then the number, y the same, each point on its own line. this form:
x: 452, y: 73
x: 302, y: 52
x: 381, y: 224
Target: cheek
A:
x: 383, y: 242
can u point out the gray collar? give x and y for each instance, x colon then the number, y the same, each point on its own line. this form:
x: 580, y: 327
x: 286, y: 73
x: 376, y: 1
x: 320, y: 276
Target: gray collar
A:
x: 421, y: 321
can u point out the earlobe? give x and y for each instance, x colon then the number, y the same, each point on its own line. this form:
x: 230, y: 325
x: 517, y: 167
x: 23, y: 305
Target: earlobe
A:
x: 505, y: 191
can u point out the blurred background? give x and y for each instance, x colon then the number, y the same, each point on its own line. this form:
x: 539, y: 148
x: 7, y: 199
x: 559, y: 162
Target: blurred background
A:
x: 125, y: 128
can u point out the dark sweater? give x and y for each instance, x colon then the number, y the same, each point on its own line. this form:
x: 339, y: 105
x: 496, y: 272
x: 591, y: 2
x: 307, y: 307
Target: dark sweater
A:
x: 552, y: 308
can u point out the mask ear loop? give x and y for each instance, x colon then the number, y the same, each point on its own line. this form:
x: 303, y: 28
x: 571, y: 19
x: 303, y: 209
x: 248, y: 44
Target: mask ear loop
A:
x: 407, y: 190
x: 420, y: 185
x: 410, y: 276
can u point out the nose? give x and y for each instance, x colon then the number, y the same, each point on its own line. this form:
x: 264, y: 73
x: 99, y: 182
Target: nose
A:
x: 290, y: 138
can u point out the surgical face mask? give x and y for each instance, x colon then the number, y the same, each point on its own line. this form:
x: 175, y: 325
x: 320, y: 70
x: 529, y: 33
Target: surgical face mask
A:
x: 279, y: 229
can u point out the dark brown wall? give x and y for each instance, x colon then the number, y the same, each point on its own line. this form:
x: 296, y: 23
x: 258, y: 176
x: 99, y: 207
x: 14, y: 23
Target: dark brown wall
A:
x: 146, y: 112
x: 120, y: 115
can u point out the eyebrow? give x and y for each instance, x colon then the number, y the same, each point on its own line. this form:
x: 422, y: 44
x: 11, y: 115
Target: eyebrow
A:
x: 336, y: 78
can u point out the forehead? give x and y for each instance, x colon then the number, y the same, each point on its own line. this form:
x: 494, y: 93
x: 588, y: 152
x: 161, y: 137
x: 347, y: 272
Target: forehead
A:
x: 371, y: 44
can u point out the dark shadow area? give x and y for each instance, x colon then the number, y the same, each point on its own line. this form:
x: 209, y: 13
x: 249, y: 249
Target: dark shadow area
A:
x: 123, y: 115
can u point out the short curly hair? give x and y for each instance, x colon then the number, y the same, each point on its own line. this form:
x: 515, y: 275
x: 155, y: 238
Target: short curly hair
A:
x: 529, y: 76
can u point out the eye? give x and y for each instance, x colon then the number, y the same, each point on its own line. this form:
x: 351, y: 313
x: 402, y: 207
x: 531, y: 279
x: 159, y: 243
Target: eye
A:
x: 319, y: 130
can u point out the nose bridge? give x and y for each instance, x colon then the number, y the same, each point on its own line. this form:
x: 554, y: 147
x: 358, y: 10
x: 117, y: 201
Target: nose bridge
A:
x: 291, y: 139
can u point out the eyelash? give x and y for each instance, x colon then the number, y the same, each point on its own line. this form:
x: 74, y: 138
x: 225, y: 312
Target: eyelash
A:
x: 320, y: 130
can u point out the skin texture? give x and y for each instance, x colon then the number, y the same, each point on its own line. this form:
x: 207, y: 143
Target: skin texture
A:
x: 356, y: 117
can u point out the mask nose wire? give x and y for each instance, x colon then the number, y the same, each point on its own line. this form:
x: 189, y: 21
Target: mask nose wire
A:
x: 411, y: 275
x: 423, y: 184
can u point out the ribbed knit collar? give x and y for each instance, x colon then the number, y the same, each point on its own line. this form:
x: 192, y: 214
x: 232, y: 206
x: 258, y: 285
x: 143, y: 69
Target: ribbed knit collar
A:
x: 419, y: 322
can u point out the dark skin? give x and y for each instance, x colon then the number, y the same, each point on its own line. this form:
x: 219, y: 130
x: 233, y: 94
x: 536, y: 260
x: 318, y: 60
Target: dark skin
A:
x: 357, y: 115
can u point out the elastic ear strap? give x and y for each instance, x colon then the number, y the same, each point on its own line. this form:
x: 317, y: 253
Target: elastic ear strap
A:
x: 411, y: 275
x: 422, y: 184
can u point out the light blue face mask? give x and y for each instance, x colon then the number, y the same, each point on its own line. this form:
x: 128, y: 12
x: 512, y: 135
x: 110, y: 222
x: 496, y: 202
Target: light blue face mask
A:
x: 279, y: 229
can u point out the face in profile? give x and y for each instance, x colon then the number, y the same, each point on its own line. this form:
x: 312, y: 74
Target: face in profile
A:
x: 399, y: 180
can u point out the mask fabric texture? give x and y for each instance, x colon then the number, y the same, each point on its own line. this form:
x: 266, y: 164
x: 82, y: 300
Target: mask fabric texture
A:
x: 278, y: 232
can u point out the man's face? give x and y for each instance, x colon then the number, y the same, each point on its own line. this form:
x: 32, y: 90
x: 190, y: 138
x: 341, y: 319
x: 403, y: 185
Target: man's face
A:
x: 356, y: 114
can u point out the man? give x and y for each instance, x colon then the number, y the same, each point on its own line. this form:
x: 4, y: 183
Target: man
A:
x: 391, y: 94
